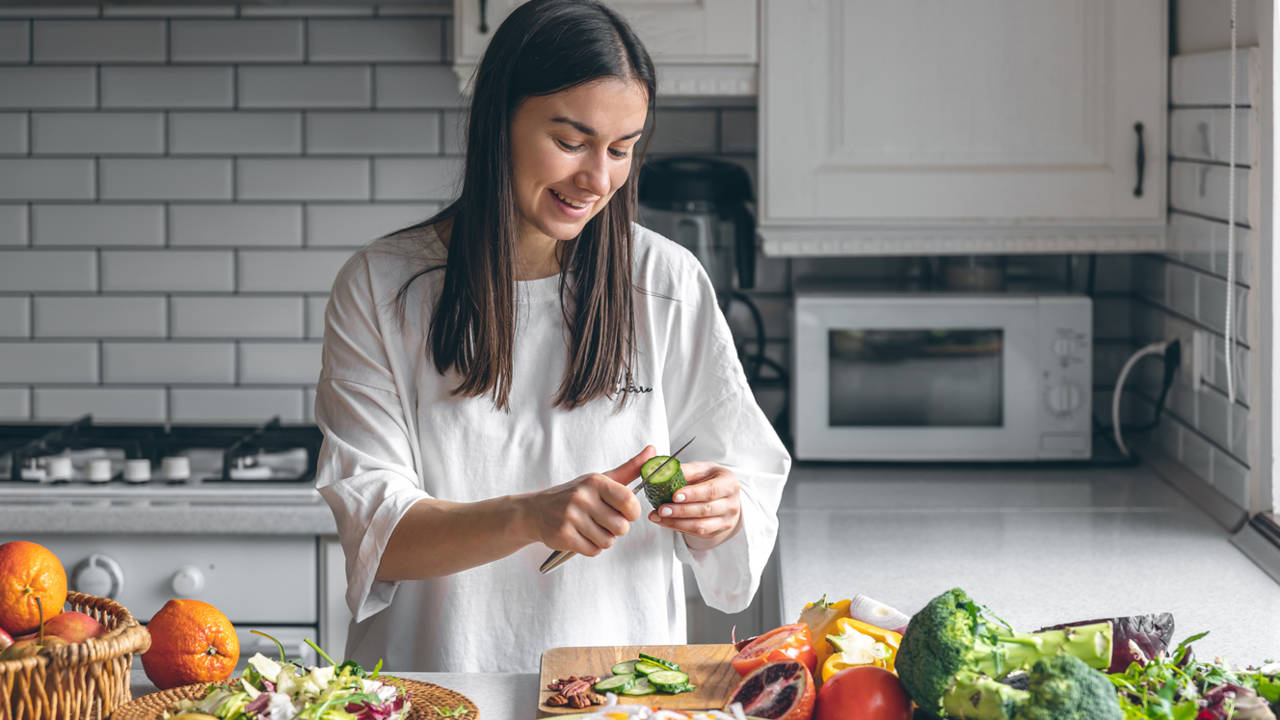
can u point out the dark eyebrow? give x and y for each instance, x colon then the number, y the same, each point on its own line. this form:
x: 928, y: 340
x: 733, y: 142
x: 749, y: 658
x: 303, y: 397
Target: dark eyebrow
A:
x: 588, y: 130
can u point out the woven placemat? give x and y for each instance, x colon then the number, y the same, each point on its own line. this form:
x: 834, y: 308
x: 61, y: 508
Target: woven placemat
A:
x: 424, y: 698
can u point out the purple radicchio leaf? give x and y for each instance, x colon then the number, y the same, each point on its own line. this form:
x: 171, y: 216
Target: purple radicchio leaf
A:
x: 258, y: 704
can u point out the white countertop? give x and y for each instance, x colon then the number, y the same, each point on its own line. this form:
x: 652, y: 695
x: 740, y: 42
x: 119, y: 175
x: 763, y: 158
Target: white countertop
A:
x: 1037, y: 544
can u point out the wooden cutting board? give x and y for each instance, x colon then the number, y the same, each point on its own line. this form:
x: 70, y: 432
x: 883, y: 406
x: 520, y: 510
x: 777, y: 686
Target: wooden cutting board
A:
x: 707, y: 665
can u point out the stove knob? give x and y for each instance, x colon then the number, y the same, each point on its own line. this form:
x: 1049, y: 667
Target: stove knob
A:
x: 188, y: 581
x: 98, y: 575
x: 98, y: 470
x: 59, y: 467
x: 176, y: 467
x: 137, y: 470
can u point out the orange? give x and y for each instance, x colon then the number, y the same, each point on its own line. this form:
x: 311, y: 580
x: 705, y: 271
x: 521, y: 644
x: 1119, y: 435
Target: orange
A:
x: 29, y: 571
x: 191, y: 642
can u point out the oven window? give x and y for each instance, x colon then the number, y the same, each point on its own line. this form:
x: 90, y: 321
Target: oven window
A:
x: 916, y: 378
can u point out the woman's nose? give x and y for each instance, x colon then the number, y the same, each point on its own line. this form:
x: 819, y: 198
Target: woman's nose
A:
x: 594, y: 174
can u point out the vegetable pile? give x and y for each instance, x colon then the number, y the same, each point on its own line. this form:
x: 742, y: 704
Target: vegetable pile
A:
x: 271, y: 690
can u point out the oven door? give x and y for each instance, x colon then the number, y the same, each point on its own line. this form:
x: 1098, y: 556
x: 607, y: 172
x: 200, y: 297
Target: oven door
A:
x: 916, y: 378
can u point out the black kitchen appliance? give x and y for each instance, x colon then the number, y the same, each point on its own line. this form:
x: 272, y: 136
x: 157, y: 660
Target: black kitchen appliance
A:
x: 704, y: 204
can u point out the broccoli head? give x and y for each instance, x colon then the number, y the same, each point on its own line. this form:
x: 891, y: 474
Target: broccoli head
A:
x: 955, y: 651
x: 1063, y: 687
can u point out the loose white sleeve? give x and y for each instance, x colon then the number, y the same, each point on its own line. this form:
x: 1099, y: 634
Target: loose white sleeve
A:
x: 366, y: 466
x: 708, y: 398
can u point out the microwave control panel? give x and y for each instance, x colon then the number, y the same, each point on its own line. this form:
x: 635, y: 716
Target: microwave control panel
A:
x: 1066, y: 376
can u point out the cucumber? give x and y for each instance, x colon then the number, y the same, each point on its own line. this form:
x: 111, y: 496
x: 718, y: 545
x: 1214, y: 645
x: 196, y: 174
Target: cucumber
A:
x: 659, y: 661
x: 624, y: 668
x: 642, y: 686
x: 644, y: 667
x: 661, y: 486
x: 669, y: 681
x: 615, y: 684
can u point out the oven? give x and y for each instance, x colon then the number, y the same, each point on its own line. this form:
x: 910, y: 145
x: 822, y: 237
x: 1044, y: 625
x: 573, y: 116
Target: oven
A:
x: 268, y: 582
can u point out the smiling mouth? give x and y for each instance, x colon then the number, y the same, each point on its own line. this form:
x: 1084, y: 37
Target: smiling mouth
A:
x: 571, y: 203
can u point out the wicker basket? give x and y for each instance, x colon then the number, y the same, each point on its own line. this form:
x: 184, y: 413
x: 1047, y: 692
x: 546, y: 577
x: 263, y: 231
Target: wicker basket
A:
x: 83, y: 680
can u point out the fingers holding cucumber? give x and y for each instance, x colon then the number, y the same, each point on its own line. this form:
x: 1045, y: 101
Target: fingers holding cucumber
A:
x: 707, y: 509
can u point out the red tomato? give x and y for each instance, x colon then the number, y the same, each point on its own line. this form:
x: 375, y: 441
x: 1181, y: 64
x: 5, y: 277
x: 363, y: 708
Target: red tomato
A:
x: 864, y: 692
x: 789, y: 642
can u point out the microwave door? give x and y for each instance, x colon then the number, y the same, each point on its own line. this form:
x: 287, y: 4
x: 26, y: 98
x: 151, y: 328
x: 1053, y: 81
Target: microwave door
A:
x: 906, y: 380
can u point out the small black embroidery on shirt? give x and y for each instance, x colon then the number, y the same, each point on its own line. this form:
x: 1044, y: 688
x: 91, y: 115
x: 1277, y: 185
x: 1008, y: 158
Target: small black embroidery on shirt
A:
x: 633, y: 388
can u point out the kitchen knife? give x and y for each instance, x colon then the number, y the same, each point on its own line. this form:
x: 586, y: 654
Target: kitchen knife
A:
x: 558, y: 558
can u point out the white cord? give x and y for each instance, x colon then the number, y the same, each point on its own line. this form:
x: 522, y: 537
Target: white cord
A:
x: 1231, y: 212
x: 1155, y: 348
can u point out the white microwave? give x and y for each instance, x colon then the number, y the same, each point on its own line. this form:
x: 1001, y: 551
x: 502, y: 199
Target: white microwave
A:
x: 941, y: 376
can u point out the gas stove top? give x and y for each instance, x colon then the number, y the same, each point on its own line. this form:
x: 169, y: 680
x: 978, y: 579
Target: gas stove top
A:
x: 84, y: 462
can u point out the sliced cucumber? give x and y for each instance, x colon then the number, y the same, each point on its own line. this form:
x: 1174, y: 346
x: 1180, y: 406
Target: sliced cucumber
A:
x: 624, y: 668
x: 642, y: 686
x: 659, y: 661
x: 615, y: 684
x: 670, y: 681
x: 662, y: 485
x: 644, y: 667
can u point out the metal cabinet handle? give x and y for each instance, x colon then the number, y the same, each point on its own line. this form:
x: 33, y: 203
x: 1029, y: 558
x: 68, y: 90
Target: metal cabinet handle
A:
x: 1142, y: 159
x: 484, y: 24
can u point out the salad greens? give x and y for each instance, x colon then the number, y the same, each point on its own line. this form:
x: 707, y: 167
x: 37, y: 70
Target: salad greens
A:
x: 1178, y: 687
x: 283, y: 690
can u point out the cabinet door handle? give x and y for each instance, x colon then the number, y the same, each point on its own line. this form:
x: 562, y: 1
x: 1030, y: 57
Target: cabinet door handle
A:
x: 1142, y: 159
x: 484, y: 24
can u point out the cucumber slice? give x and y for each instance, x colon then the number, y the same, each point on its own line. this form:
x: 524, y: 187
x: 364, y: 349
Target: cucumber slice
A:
x: 624, y: 668
x: 644, y: 667
x: 661, y: 486
x: 671, y: 681
x: 642, y: 686
x: 615, y: 684
x: 659, y: 661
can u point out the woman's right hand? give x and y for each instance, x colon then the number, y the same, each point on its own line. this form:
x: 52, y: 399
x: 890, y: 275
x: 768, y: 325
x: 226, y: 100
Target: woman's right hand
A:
x: 588, y: 513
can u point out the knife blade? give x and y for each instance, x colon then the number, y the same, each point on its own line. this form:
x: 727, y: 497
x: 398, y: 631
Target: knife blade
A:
x: 558, y: 557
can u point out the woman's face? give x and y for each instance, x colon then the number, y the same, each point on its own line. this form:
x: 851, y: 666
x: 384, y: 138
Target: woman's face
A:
x: 571, y: 151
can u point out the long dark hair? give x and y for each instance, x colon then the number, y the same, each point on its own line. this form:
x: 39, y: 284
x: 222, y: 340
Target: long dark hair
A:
x: 543, y: 47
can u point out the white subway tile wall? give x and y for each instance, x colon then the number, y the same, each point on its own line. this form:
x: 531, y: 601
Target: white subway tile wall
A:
x: 180, y: 184
x: 13, y: 132
x: 1185, y: 289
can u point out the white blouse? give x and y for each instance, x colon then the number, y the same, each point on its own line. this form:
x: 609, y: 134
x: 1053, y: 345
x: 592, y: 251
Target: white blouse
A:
x: 394, y: 435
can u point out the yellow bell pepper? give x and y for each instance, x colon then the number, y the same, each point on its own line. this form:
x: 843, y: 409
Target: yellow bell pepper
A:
x: 860, y: 643
x: 821, y: 617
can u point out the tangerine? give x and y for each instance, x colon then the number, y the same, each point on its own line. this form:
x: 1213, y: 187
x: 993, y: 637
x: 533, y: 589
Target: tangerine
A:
x: 29, y: 571
x: 191, y: 642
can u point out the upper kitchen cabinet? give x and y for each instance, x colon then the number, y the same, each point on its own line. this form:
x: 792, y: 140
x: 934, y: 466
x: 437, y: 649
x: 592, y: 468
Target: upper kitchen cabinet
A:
x: 701, y: 47
x: 985, y: 126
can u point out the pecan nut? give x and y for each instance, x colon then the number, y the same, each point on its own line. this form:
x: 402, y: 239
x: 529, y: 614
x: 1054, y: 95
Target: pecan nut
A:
x: 580, y: 701
x: 577, y: 687
x: 557, y: 700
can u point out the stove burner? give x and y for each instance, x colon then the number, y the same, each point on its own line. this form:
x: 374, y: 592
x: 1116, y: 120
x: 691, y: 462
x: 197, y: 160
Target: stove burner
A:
x: 81, y: 453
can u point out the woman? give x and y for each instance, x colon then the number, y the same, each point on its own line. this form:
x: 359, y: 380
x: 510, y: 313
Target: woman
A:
x: 494, y: 377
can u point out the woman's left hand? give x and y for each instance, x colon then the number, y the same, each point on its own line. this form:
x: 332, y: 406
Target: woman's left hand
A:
x: 707, y: 510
